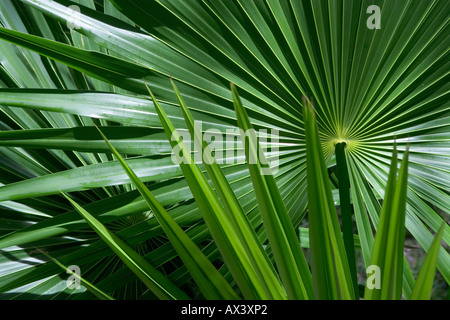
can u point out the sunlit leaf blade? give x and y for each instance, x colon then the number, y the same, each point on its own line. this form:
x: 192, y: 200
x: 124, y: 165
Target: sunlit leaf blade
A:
x: 103, y: 67
x: 129, y: 140
x: 289, y: 258
x: 247, y: 235
x: 365, y: 201
x: 106, y: 210
x: 216, y: 218
x: 87, y: 177
x: 84, y: 256
x: 122, y: 108
x: 89, y: 286
x: 210, y: 281
x: 424, y: 282
x: 160, y: 285
x: 387, y: 253
x: 368, y: 86
x: 329, y: 264
x: 395, y: 244
x: 346, y: 210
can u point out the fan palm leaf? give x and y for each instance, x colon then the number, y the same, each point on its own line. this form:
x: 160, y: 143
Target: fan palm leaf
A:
x: 63, y: 72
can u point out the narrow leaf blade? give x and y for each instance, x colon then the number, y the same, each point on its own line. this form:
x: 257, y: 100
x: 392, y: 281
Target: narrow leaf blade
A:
x: 209, y: 280
x: 89, y: 286
x: 289, y: 258
x: 424, y: 283
x: 161, y: 286
x: 246, y: 233
x: 331, y: 272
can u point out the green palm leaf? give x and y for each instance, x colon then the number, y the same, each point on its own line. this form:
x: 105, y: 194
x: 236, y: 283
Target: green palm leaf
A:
x: 210, y: 281
x: 247, y: 236
x: 424, y: 284
x: 387, y: 252
x: 329, y: 262
x: 218, y: 222
x: 289, y: 258
x: 92, y: 288
x: 153, y: 279
x: 57, y: 83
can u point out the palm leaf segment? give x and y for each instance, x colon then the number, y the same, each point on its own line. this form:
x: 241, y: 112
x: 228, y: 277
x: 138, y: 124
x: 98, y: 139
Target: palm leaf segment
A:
x: 368, y: 86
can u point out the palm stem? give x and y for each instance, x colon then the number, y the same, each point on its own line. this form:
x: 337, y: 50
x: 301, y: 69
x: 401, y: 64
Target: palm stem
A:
x: 346, y: 210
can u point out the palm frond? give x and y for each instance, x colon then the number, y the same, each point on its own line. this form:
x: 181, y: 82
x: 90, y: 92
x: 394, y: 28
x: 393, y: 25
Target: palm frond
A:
x: 371, y: 88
